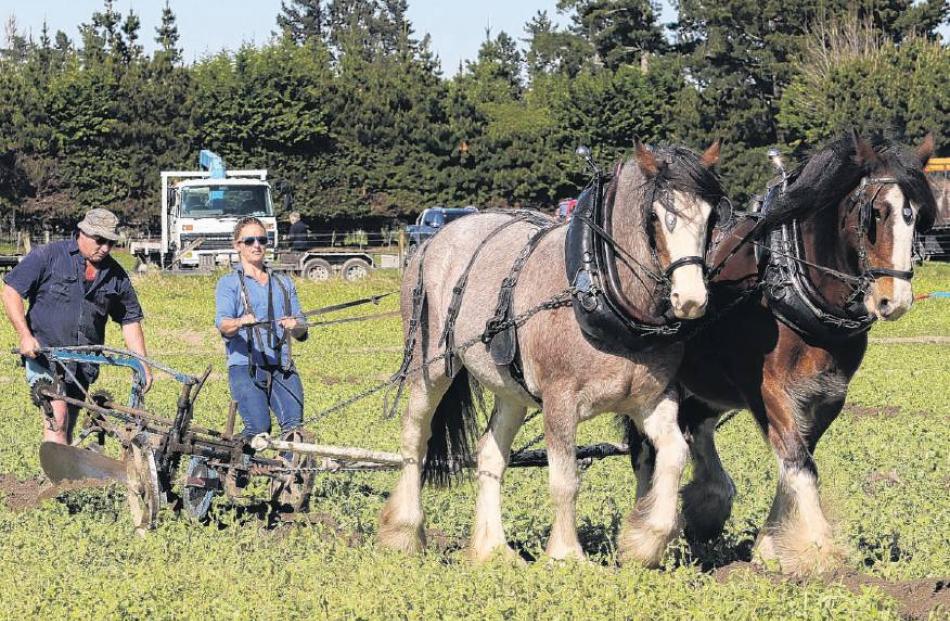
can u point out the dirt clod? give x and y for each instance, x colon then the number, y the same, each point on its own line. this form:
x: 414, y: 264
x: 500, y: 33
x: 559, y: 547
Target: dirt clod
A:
x: 916, y: 599
x: 22, y: 495
x: 861, y: 411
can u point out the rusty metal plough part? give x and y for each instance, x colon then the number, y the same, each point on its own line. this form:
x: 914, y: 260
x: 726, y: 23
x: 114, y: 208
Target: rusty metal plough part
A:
x: 155, y: 447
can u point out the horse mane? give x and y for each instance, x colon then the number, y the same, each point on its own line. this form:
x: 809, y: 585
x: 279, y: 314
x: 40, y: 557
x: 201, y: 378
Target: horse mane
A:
x: 902, y: 163
x: 821, y: 181
x: 830, y: 173
x: 681, y: 169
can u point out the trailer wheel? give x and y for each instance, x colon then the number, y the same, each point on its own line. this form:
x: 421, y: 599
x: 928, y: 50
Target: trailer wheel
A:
x: 355, y: 269
x: 317, y: 270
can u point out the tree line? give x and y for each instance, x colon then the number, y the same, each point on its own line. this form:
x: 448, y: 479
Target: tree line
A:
x: 351, y: 112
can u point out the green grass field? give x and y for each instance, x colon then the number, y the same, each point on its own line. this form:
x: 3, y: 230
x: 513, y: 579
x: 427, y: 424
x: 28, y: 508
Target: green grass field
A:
x: 884, y: 464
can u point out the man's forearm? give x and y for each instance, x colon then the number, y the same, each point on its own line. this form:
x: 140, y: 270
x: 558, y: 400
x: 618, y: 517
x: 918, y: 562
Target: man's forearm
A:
x: 134, y: 338
x: 16, y: 312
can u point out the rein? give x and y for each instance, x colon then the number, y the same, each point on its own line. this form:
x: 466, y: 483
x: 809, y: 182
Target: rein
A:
x: 373, y: 299
x: 793, y: 296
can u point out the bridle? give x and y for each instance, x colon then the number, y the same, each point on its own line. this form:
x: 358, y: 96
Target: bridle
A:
x: 658, y: 191
x: 863, y: 199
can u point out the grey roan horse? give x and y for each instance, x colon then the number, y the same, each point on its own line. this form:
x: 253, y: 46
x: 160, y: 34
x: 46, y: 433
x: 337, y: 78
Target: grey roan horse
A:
x: 662, y: 203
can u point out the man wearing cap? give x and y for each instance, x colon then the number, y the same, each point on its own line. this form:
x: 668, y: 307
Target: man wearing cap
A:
x: 73, y: 287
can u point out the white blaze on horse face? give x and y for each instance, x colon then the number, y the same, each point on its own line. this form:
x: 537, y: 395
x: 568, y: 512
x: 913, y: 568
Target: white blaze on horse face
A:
x: 687, y: 239
x: 889, y: 298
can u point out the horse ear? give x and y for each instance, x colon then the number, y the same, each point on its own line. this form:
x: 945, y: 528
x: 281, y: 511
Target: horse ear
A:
x: 710, y: 156
x: 926, y: 149
x: 865, y: 152
x: 645, y: 158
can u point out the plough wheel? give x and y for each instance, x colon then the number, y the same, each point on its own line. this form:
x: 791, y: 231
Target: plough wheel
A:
x: 144, y: 493
x: 291, y: 490
x: 201, y: 482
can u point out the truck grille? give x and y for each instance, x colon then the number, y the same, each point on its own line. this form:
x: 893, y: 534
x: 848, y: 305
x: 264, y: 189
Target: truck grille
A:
x: 216, y: 241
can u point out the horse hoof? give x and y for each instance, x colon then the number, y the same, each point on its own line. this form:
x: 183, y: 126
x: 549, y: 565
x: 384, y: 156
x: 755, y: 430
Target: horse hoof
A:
x: 796, y: 557
x: 503, y: 553
x: 705, y: 511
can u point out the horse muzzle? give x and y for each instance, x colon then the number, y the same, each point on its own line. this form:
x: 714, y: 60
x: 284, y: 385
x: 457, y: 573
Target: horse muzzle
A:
x: 688, y: 295
x: 890, y: 298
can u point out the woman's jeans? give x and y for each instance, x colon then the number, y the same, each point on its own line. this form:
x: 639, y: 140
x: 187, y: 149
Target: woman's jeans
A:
x: 280, y: 391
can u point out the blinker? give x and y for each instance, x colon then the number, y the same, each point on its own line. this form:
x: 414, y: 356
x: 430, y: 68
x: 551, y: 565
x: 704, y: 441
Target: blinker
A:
x: 670, y: 221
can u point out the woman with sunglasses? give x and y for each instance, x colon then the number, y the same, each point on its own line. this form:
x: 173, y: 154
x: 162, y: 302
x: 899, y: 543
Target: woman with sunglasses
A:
x: 257, y: 313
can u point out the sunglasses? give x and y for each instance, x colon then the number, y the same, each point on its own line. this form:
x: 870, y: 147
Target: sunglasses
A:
x: 249, y: 241
x: 102, y: 241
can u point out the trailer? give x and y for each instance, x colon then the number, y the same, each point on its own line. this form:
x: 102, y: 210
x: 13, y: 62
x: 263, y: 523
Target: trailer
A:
x: 935, y: 243
x: 199, y: 211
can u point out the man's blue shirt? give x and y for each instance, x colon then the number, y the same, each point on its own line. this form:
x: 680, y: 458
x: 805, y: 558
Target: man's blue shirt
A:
x: 229, y: 305
x: 62, y: 312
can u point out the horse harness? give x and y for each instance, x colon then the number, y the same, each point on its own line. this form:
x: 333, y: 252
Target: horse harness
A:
x: 499, y: 329
x: 790, y: 292
x: 608, y: 320
x: 257, y: 333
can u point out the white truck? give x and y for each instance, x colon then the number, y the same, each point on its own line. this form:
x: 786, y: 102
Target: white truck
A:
x: 199, y: 211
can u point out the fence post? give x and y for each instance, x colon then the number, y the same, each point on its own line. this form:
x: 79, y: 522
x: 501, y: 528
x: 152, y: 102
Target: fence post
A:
x: 402, y: 248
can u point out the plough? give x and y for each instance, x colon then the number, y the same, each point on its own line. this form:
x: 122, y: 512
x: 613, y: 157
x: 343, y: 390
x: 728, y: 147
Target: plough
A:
x: 172, y: 461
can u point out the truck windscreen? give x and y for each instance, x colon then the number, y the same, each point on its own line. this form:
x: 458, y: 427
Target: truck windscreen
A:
x: 225, y: 200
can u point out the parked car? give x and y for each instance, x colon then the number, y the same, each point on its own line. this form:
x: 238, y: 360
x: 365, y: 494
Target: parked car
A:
x: 431, y: 221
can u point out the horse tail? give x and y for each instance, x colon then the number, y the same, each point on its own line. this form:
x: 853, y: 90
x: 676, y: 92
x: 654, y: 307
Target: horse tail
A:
x: 454, y: 431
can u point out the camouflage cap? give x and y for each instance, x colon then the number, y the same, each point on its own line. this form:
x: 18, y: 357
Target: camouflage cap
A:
x: 100, y: 223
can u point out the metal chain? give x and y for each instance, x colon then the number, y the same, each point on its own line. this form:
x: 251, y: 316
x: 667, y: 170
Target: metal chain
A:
x: 558, y: 301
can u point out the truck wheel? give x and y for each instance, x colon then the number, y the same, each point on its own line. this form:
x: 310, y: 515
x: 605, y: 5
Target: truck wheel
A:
x: 317, y: 270
x: 355, y: 269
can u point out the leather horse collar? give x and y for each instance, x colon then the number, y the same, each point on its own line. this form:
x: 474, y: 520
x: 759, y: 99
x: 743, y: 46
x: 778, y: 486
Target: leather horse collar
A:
x: 794, y: 298
x: 608, y: 320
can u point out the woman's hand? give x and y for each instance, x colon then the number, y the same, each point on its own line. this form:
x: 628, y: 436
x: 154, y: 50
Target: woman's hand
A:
x: 296, y: 328
x: 230, y: 327
x: 289, y: 323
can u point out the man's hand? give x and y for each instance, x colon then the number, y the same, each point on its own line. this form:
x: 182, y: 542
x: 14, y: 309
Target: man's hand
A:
x: 247, y: 319
x: 148, y: 378
x: 29, y: 346
x: 135, y: 341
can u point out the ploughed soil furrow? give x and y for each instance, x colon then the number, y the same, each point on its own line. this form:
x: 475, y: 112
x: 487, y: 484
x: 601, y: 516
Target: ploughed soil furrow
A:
x: 916, y: 599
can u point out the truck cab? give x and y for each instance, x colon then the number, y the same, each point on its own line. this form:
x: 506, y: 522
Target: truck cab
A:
x: 202, y: 214
x: 200, y: 209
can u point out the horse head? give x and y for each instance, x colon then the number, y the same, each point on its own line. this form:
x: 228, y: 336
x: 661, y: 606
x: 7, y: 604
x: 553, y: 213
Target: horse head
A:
x: 880, y: 219
x: 680, y: 193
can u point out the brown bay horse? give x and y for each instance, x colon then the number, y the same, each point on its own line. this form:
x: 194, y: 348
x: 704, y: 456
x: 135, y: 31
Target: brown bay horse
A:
x: 661, y: 202
x: 842, y: 260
